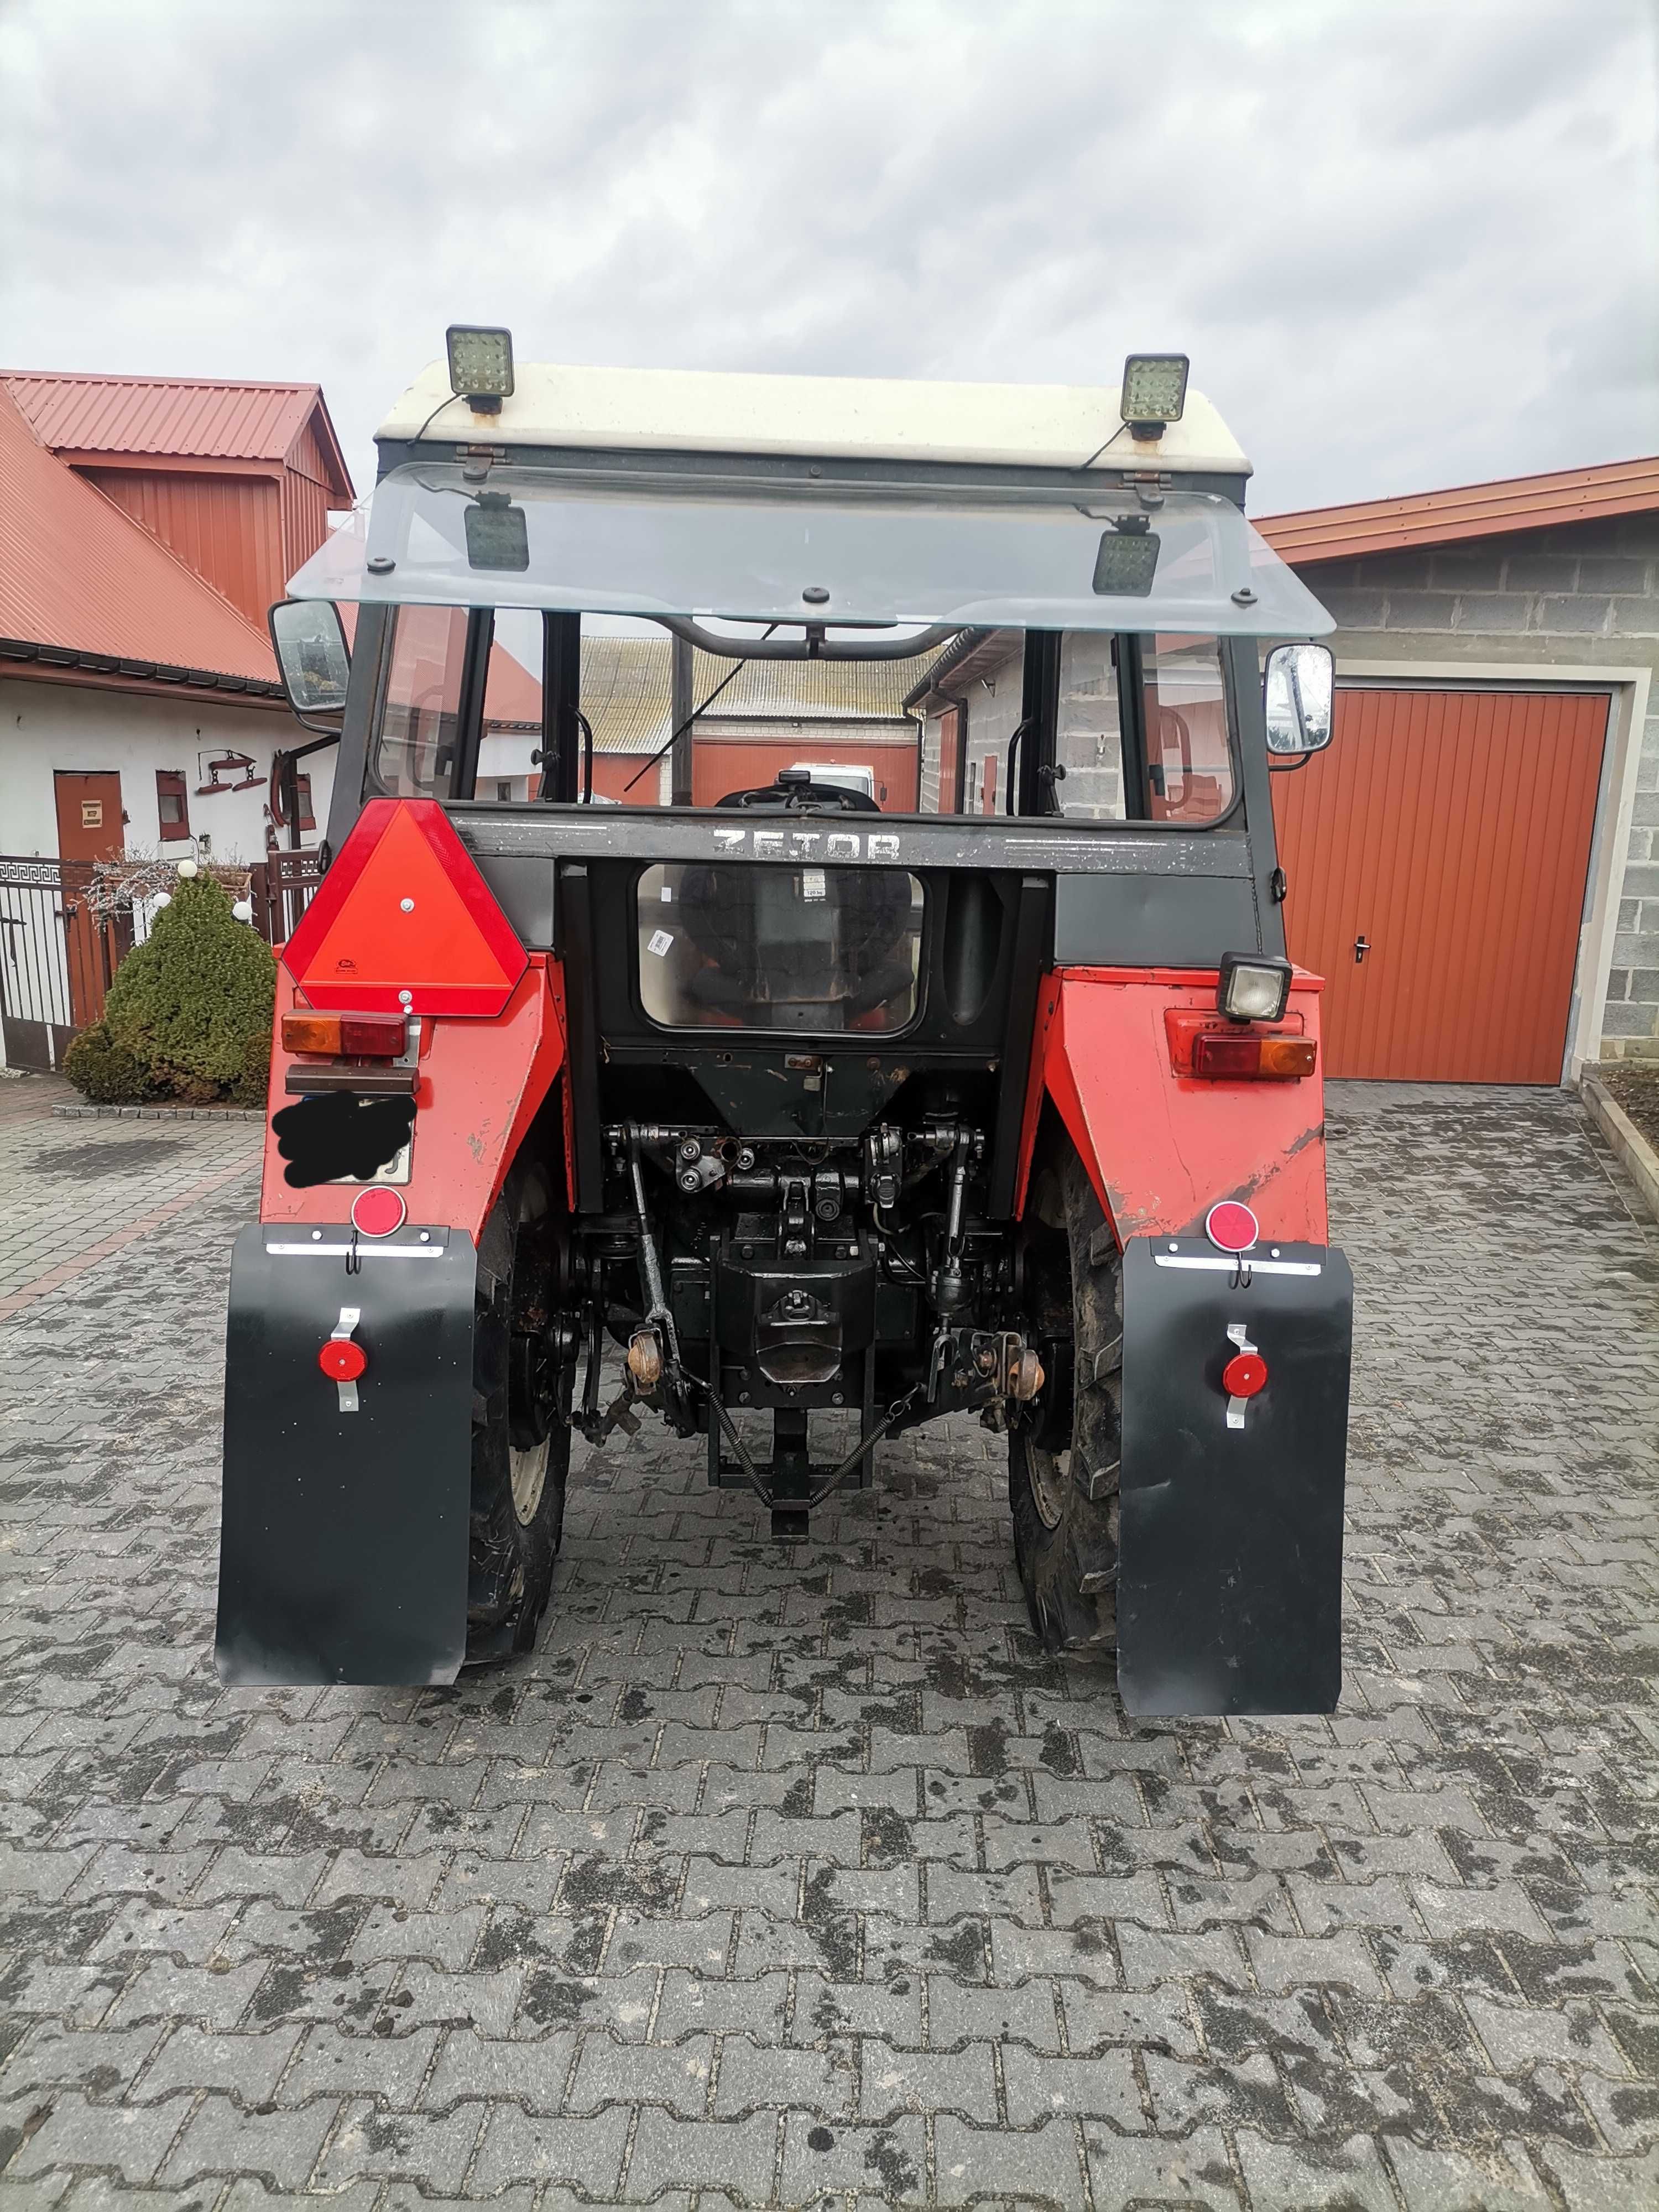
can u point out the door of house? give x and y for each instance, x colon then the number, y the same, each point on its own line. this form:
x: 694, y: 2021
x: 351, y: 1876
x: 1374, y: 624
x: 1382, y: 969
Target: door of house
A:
x: 89, y: 827
x: 1436, y: 855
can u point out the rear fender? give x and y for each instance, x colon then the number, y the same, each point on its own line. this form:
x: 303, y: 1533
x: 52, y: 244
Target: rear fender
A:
x: 482, y: 1082
x: 1161, y: 1148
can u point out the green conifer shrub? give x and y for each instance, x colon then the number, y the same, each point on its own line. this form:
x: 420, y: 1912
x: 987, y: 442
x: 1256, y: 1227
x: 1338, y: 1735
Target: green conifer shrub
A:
x: 189, y: 1009
x: 104, y: 1071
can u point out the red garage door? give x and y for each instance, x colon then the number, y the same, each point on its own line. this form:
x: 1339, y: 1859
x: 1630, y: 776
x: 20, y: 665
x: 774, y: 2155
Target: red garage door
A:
x: 1436, y: 854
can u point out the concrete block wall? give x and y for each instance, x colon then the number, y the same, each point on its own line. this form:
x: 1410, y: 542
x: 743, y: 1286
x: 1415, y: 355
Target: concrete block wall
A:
x: 1578, y: 594
x: 1088, y: 741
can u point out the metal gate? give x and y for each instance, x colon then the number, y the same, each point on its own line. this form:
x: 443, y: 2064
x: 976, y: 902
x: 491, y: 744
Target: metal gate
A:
x: 57, y: 957
x: 280, y: 887
x: 59, y: 951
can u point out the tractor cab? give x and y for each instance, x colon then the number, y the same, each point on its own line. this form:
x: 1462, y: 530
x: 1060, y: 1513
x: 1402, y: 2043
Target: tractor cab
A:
x: 807, y: 844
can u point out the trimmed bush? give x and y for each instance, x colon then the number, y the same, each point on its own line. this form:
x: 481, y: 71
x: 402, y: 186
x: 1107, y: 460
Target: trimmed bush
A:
x: 104, y: 1071
x: 189, y: 1009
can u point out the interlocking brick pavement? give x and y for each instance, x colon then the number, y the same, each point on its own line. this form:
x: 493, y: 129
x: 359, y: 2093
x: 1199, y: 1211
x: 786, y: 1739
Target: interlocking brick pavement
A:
x: 779, y: 1879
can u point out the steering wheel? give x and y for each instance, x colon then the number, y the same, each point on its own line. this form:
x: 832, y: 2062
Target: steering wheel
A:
x: 794, y: 791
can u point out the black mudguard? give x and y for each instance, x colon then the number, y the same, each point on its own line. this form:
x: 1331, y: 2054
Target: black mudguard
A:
x: 343, y: 1555
x: 1229, y: 1570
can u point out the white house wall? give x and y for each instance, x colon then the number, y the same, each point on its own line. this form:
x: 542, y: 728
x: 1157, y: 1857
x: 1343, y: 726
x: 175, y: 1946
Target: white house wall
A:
x: 45, y: 726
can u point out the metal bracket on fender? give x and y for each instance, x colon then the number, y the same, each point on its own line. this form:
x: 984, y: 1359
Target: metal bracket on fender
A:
x: 1235, y: 1439
x: 342, y: 1552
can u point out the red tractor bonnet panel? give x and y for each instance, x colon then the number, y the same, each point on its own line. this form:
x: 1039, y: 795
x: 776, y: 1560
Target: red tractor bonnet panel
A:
x: 404, y: 922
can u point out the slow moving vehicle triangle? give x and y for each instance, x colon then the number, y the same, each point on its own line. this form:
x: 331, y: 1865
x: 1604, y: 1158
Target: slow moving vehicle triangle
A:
x: 405, y: 922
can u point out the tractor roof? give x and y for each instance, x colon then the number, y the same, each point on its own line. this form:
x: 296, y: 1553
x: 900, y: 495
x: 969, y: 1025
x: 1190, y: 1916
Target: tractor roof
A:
x: 1058, y: 426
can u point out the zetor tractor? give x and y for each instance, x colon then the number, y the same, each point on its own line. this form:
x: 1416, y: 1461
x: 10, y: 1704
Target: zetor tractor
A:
x: 801, y: 945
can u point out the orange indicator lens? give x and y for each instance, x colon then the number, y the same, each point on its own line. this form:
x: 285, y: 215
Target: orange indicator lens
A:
x: 1252, y: 1058
x: 359, y: 1037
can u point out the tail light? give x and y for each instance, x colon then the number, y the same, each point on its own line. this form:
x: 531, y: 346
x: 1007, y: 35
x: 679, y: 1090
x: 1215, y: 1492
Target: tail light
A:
x: 1254, y: 1058
x: 351, y: 1037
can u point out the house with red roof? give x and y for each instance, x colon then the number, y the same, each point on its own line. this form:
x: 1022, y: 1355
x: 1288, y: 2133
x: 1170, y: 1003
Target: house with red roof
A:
x: 147, y: 524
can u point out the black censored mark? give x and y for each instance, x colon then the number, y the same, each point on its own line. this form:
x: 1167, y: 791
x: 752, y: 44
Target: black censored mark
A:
x: 337, y: 1133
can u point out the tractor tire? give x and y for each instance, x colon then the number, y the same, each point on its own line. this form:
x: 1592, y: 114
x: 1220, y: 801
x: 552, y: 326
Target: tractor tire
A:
x: 1063, y: 1463
x: 521, y: 1430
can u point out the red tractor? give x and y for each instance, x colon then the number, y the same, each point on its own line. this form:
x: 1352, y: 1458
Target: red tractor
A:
x: 750, y: 1093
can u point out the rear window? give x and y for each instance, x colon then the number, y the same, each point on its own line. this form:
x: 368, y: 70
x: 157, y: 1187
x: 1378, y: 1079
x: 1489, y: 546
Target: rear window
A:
x: 759, y: 946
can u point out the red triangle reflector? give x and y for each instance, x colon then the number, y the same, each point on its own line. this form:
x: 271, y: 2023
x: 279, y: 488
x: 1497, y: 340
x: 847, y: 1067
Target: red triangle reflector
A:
x: 404, y: 922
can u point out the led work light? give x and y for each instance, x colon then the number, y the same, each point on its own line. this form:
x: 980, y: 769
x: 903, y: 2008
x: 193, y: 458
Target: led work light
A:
x: 480, y: 365
x: 1154, y: 391
x: 1253, y: 987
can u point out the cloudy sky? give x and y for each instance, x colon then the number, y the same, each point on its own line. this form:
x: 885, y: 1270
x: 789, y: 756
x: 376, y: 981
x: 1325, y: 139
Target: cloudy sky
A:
x: 1404, y: 245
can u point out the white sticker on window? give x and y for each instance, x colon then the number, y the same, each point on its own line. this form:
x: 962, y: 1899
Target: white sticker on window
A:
x: 668, y: 894
x: 660, y: 941
x: 811, y: 883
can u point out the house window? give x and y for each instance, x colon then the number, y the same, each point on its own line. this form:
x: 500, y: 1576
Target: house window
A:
x: 171, y: 805
x: 504, y: 790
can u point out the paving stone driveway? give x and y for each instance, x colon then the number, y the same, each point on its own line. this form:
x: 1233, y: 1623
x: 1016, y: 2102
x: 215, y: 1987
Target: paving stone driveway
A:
x: 790, y: 1880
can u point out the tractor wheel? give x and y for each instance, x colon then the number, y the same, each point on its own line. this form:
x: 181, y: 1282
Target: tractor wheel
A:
x: 1063, y: 1458
x: 520, y: 1431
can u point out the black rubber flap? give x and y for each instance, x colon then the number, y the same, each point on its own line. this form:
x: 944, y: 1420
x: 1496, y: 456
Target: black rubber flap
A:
x: 1229, y: 1575
x: 342, y: 1555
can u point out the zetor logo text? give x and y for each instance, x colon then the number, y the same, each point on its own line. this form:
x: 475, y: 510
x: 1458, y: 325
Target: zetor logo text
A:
x: 805, y: 844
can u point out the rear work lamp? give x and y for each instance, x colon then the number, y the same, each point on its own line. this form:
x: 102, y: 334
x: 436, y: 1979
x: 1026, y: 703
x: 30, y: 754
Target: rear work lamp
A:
x: 1154, y: 391
x: 1254, y: 987
x: 480, y: 365
x: 350, y: 1037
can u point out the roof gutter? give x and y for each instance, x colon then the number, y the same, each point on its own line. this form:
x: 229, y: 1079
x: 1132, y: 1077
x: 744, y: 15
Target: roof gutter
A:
x: 155, y: 671
x: 929, y: 687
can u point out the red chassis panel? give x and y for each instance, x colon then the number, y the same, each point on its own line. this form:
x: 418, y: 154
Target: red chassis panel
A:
x: 481, y: 1082
x: 1162, y: 1147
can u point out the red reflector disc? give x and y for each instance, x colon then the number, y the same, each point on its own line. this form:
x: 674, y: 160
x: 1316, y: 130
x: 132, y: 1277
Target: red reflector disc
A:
x: 1244, y: 1375
x: 378, y: 1211
x: 341, y: 1360
x: 1231, y: 1226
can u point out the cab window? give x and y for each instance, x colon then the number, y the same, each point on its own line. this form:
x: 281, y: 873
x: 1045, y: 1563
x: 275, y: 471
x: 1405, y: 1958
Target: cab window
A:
x: 1141, y: 729
x: 420, y: 708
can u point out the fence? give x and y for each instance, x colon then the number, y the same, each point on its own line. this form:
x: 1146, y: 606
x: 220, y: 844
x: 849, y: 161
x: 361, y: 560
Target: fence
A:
x: 280, y: 888
x: 59, y: 948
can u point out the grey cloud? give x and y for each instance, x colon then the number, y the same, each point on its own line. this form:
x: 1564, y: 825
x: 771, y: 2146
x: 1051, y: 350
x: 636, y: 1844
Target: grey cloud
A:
x: 1405, y: 246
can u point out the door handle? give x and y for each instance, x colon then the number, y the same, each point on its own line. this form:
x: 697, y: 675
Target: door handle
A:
x: 1361, y: 947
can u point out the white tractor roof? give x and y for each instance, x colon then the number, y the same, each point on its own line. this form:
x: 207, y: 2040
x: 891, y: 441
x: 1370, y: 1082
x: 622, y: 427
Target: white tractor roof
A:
x: 1051, y: 426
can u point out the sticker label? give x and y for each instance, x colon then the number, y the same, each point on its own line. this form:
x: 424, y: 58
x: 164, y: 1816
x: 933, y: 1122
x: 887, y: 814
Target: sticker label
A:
x: 812, y: 884
x: 660, y: 942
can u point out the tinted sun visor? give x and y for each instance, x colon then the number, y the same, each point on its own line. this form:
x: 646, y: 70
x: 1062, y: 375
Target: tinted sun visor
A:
x: 1033, y: 560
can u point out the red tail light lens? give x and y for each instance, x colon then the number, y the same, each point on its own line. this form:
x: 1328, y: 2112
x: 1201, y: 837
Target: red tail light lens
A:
x: 355, y: 1036
x: 1254, y: 1058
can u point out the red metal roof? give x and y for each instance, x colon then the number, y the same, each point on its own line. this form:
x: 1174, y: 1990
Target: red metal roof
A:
x: 78, y: 573
x: 1482, y: 510
x: 177, y: 416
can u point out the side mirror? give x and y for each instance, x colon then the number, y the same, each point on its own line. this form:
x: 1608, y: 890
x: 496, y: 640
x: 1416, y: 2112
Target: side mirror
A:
x: 1296, y: 693
x: 311, y: 651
